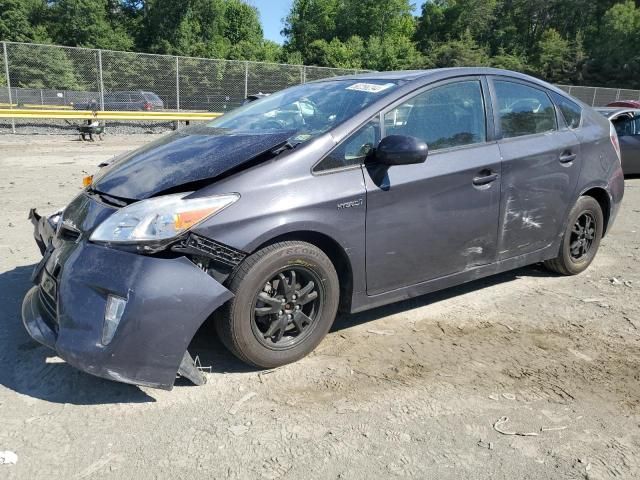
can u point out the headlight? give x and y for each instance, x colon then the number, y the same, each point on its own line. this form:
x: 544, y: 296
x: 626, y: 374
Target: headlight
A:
x: 159, y: 218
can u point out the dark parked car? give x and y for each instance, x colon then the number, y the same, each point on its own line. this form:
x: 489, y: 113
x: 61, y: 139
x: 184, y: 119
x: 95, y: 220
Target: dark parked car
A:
x: 627, y: 124
x: 345, y: 193
x: 125, y: 102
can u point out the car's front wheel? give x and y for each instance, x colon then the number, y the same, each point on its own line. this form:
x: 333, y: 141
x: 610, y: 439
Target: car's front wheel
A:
x: 581, y: 239
x: 286, y: 298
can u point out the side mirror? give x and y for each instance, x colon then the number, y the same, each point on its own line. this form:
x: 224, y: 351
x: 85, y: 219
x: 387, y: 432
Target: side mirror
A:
x: 401, y: 150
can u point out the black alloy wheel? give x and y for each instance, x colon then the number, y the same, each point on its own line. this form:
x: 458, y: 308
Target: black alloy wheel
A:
x: 287, y: 308
x: 582, y: 236
x: 286, y: 297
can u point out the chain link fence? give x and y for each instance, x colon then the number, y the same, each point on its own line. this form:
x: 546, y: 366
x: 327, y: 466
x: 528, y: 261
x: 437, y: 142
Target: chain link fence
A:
x: 68, y: 77
x: 49, y: 76
x: 600, y: 96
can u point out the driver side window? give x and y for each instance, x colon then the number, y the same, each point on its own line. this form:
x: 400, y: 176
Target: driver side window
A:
x: 447, y: 116
x: 354, y: 149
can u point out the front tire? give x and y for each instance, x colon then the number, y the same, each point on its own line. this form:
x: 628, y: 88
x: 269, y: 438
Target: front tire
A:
x: 286, y: 299
x: 581, y: 239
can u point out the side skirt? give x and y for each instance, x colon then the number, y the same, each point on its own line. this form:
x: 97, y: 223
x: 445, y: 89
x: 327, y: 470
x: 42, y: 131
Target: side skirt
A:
x: 362, y: 302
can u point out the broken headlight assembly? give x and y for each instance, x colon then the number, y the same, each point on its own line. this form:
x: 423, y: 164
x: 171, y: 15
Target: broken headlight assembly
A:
x: 159, y: 219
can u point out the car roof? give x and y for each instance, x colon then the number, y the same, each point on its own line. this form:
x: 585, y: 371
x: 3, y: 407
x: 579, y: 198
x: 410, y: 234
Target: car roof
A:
x: 424, y: 76
x: 411, y: 75
x: 625, y: 104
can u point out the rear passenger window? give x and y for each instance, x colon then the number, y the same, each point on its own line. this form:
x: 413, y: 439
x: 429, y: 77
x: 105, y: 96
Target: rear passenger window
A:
x: 448, y: 116
x: 523, y: 110
x: 571, y: 111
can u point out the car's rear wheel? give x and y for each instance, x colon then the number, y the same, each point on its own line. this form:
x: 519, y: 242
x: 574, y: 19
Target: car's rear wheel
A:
x: 581, y: 239
x: 286, y: 298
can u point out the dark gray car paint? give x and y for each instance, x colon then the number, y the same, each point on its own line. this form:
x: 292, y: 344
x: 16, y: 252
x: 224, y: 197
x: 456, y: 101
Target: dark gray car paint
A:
x: 539, y: 176
x: 167, y: 301
x: 265, y: 221
x: 416, y: 202
x: 185, y: 157
x: 630, y: 148
x: 397, y: 242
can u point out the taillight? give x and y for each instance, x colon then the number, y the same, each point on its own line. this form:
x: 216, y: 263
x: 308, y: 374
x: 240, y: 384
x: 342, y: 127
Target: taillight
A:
x: 614, y: 140
x: 147, y: 106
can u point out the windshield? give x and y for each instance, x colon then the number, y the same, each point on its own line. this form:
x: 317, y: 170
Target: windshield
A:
x: 305, y: 110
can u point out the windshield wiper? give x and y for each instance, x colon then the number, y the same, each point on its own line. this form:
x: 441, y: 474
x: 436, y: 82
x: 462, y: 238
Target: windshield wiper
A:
x: 108, y: 199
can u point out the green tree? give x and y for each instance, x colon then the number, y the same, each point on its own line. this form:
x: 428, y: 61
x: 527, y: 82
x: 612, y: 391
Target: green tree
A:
x: 555, y: 60
x: 444, y: 20
x: 205, y: 28
x: 397, y: 53
x: 14, y: 21
x: 508, y: 61
x: 464, y: 52
x: 308, y: 21
x: 84, y: 23
x: 241, y: 23
x: 385, y: 19
x: 616, y: 59
x: 44, y: 67
x: 21, y: 21
x: 336, y: 53
x: 350, y: 33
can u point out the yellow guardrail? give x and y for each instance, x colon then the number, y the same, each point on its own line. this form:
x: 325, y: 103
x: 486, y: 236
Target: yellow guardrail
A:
x: 90, y: 115
x: 39, y: 106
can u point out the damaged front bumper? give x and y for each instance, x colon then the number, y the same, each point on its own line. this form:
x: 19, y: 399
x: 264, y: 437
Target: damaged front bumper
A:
x: 44, y: 228
x: 167, y: 300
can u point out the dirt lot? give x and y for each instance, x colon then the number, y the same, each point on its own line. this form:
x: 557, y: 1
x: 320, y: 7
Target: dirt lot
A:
x: 413, y: 389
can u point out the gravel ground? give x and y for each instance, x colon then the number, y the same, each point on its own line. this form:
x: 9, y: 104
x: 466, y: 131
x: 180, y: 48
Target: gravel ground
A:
x: 70, y: 127
x: 413, y: 389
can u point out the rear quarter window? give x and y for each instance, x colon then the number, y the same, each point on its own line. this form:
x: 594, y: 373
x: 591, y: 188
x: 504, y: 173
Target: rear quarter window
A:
x: 571, y: 111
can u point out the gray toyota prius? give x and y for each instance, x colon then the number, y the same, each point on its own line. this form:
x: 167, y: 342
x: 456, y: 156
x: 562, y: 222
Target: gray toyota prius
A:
x: 345, y: 193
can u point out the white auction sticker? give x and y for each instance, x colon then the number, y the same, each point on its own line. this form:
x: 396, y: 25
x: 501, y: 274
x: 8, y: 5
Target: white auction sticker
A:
x: 370, y: 87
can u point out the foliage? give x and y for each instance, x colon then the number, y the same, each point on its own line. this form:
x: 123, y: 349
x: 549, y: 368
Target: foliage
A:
x: 352, y: 33
x: 568, y: 41
x: 49, y: 67
x: 85, y: 23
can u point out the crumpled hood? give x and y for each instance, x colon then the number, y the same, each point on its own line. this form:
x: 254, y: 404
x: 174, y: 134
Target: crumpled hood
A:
x: 191, y: 155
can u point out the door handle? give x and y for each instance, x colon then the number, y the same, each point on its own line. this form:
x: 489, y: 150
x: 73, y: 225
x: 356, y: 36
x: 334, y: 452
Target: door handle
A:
x: 567, y: 157
x: 485, y: 177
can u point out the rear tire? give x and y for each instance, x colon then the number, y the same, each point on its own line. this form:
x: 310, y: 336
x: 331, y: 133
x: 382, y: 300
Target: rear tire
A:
x: 581, y: 239
x: 286, y: 299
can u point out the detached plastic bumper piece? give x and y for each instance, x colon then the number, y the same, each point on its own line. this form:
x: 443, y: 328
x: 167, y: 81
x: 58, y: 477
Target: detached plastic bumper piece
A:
x: 165, y: 302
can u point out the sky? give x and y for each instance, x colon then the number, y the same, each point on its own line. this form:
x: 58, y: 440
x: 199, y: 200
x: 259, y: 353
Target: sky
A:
x: 273, y: 11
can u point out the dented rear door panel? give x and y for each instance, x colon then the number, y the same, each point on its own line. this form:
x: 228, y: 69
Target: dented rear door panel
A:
x: 538, y: 185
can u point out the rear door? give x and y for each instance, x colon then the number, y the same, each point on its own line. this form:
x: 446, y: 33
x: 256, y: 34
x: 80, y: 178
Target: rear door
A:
x: 540, y: 166
x: 439, y: 217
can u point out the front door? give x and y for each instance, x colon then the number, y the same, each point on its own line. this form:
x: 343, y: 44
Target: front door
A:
x: 540, y: 168
x: 440, y: 217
